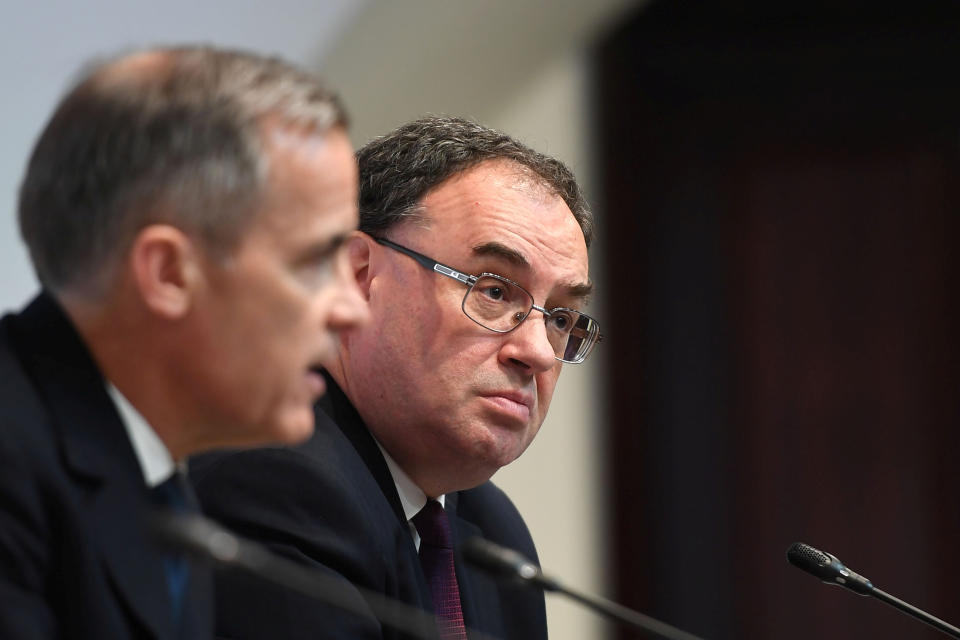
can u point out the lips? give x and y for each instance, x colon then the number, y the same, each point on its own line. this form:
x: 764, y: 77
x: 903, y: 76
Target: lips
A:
x: 316, y: 382
x: 519, y: 397
x: 516, y: 404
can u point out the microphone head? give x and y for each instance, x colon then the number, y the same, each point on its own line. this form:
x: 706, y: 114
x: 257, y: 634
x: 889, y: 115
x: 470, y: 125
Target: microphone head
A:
x: 811, y: 560
x: 827, y: 567
x: 196, y: 535
x: 500, y: 560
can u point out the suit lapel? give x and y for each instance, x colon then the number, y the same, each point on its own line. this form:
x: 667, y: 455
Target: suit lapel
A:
x: 134, y: 563
x: 336, y: 405
x: 98, y: 453
x: 338, y: 409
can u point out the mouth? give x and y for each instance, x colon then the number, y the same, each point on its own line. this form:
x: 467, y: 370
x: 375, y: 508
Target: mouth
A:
x: 316, y: 383
x: 515, y: 404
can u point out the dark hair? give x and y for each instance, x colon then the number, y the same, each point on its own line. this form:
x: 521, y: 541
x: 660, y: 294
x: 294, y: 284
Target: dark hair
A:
x: 400, y: 168
x: 166, y: 135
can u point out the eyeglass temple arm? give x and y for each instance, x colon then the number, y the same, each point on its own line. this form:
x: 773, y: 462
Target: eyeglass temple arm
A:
x: 453, y: 273
x: 429, y: 263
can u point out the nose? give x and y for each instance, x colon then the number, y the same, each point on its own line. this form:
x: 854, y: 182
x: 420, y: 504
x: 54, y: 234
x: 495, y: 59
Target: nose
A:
x: 527, y: 346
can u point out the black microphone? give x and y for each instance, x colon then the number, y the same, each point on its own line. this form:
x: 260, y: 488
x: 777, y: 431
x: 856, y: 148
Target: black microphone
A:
x: 828, y: 568
x: 507, y: 563
x: 205, y: 539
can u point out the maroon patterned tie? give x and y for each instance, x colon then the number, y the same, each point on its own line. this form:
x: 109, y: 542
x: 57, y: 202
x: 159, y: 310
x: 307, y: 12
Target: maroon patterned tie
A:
x: 436, y: 557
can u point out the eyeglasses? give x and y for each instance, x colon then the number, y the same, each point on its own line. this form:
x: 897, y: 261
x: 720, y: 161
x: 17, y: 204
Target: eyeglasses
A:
x: 500, y: 305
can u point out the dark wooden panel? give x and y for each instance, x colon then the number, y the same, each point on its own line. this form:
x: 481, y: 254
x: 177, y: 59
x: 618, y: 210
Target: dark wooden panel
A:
x: 781, y: 205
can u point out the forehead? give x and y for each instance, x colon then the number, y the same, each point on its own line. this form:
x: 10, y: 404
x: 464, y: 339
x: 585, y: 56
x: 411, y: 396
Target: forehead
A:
x: 502, y: 203
x: 312, y: 179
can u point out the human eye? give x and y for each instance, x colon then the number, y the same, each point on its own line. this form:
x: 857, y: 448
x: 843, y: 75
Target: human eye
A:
x: 495, y: 292
x: 316, y: 267
x: 560, y: 320
x: 314, y: 275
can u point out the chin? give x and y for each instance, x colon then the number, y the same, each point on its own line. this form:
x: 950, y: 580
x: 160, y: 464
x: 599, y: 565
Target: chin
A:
x: 294, y: 429
x: 498, y: 454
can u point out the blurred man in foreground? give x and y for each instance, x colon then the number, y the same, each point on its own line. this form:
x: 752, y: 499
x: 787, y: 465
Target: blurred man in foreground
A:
x: 184, y: 211
x: 473, y: 261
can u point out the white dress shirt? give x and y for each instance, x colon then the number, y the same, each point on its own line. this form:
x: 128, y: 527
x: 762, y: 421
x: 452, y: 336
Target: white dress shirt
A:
x: 155, y: 460
x: 412, y: 497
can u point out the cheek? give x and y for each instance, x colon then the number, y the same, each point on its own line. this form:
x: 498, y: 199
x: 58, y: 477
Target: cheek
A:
x: 279, y: 335
x: 458, y: 362
x: 546, y: 383
x: 287, y: 307
x: 418, y: 330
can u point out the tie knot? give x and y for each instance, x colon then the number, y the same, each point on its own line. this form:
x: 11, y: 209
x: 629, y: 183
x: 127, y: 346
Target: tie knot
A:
x: 433, y: 526
x: 172, y: 493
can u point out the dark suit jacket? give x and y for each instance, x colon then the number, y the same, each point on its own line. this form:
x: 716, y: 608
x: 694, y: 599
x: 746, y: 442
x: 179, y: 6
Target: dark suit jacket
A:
x: 331, y: 503
x: 76, y: 560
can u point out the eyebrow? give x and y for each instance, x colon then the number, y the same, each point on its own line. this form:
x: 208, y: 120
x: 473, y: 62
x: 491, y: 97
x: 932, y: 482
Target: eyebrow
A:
x: 497, y: 250
x: 578, y: 290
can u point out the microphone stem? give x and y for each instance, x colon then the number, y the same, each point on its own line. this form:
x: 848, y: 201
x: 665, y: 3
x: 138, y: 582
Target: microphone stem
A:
x: 207, y: 540
x: 919, y: 614
x: 330, y: 590
x: 628, y: 616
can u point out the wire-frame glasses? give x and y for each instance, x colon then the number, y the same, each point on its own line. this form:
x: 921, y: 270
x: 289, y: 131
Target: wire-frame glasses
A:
x: 499, y: 304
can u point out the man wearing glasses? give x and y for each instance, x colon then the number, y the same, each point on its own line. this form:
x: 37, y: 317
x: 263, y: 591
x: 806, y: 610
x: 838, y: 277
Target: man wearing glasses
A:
x: 472, y: 257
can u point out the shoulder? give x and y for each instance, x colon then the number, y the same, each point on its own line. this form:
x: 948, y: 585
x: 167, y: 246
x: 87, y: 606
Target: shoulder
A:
x: 518, y: 610
x: 488, y: 503
x: 17, y: 393
x: 324, y: 469
x: 317, y: 501
x: 490, y: 509
x: 285, y: 486
x: 26, y: 436
x: 36, y: 505
x: 319, y: 505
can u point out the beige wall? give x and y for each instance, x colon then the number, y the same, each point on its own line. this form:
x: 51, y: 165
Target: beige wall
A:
x: 557, y: 483
x: 522, y: 68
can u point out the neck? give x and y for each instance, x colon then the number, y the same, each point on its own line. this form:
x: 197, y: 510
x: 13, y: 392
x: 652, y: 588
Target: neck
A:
x: 430, y: 475
x: 124, y: 348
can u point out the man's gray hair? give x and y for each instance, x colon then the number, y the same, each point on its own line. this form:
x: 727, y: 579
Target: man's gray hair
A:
x: 169, y: 136
x: 400, y: 168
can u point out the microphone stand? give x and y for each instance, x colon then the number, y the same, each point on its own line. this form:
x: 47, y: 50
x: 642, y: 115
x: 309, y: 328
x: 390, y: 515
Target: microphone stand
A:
x: 913, y: 611
x: 830, y: 570
x: 508, y: 563
x: 205, y: 539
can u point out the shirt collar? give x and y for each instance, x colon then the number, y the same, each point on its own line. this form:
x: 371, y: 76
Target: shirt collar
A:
x: 412, y: 497
x: 155, y: 461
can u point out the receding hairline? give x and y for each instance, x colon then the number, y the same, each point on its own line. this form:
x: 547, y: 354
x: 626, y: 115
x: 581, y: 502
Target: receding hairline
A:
x: 523, y: 177
x: 152, y: 71
x: 398, y: 169
x: 118, y: 114
x: 136, y: 66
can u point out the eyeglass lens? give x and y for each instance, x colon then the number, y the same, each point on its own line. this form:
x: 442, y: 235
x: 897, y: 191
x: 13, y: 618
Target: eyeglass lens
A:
x: 500, y: 305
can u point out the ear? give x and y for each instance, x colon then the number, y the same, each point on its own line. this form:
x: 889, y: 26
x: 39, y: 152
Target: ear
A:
x: 165, y: 268
x: 358, y: 247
